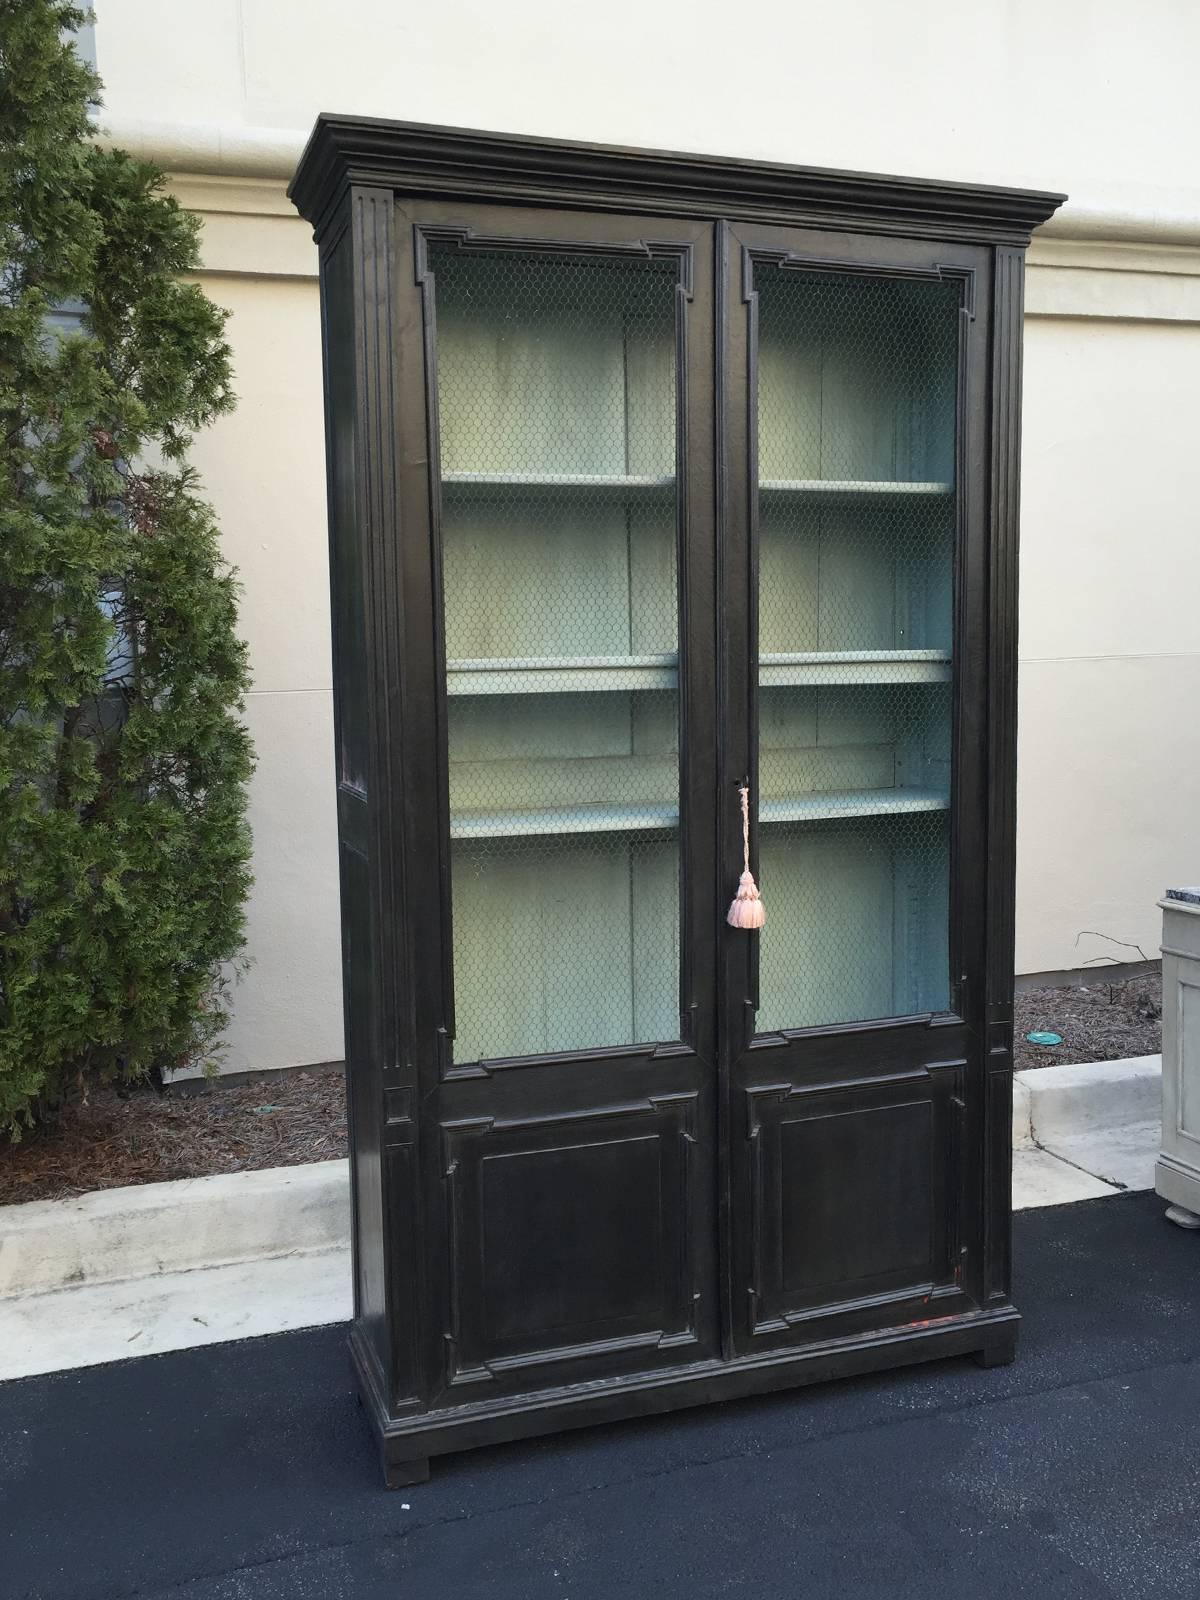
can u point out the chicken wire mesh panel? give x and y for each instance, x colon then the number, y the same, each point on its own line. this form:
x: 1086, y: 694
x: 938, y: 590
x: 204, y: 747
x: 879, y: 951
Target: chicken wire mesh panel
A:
x: 556, y: 413
x: 857, y: 383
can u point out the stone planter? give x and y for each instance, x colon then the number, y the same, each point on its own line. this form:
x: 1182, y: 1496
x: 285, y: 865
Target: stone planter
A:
x: 1177, y: 1172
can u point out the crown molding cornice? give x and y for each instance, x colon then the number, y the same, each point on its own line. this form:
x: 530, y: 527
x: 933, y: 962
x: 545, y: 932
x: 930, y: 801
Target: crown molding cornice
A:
x: 417, y: 158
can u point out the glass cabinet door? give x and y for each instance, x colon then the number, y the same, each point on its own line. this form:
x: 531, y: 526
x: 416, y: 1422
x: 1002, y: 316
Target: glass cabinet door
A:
x: 855, y: 421
x: 556, y: 404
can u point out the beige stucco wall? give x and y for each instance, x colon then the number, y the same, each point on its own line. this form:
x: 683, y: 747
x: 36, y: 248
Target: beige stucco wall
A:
x: 1109, y: 757
x: 264, y: 467
x: 1093, y: 98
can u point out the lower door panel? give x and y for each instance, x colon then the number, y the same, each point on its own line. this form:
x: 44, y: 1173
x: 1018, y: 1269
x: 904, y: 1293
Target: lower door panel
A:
x: 849, y: 1202
x: 578, y: 1237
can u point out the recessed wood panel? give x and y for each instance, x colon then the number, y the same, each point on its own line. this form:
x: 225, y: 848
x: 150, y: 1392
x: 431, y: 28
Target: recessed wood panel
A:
x: 590, y: 1216
x: 849, y: 1194
x: 1187, y: 1031
x: 855, y: 1197
x: 570, y: 1236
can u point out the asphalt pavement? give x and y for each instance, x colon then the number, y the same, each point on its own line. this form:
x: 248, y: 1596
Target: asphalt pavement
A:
x: 245, y: 1471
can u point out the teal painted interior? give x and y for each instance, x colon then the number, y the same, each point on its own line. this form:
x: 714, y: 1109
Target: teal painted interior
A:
x: 565, y: 944
x: 856, y: 443
x: 556, y: 398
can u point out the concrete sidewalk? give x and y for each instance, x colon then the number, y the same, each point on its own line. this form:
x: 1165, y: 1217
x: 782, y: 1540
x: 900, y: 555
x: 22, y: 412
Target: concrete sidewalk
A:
x: 1080, y: 1132
x: 245, y: 1470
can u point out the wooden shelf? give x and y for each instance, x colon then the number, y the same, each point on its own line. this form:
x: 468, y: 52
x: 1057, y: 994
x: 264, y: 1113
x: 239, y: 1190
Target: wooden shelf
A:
x: 523, y: 482
x: 619, y: 483
x: 562, y: 820
x: 567, y: 820
x: 839, y: 803
x: 777, y: 669
x: 620, y: 674
x: 849, y: 486
x: 561, y: 674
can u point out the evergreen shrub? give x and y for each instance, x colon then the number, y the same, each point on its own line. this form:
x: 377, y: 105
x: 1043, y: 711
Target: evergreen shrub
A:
x: 124, y: 845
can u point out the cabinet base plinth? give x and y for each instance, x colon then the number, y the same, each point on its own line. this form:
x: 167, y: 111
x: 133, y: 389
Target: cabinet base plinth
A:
x: 991, y: 1337
x: 402, y: 1474
x: 1001, y: 1353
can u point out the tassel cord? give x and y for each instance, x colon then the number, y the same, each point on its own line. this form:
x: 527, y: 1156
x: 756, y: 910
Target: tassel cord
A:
x: 747, y: 910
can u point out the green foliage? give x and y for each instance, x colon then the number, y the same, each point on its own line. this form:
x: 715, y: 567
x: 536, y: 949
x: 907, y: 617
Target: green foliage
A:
x: 124, y: 848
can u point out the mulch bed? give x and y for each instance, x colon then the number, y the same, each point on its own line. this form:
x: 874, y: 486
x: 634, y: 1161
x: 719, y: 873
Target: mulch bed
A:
x: 147, y: 1136
x: 1101, y: 1022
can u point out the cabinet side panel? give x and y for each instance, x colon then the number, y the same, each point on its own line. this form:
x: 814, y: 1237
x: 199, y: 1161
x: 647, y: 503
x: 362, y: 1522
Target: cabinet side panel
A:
x: 346, y: 576
x: 351, y: 646
x: 1007, y: 311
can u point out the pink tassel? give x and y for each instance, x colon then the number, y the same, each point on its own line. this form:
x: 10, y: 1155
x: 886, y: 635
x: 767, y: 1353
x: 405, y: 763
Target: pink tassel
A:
x: 747, y: 910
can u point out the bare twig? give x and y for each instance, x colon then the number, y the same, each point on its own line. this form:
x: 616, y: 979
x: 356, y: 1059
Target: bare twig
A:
x: 1125, y: 944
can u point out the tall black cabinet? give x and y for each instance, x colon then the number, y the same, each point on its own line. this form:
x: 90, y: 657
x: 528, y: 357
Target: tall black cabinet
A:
x: 652, y: 478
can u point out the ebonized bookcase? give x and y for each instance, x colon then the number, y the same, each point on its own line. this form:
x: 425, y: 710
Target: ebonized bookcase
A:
x: 651, y: 476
